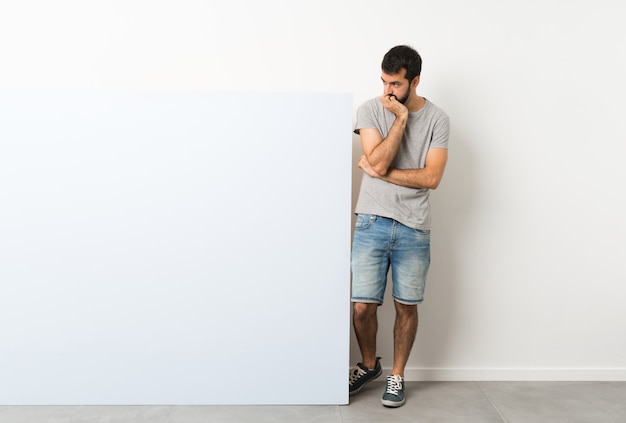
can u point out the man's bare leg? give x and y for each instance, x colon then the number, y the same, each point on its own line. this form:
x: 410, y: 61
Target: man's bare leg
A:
x: 404, y: 332
x: 365, y: 324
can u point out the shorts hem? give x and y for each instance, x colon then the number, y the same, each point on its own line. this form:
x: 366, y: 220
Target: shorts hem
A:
x: 408, y: 302
x: 366, y: 300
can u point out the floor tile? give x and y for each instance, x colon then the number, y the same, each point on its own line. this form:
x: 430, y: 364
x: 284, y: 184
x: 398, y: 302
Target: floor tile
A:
x: 85, y: 414
x: 425, y: 402
x: 134, y: 414
x: 48, y: 414
x: 256, y: 414
x: 554, y: 402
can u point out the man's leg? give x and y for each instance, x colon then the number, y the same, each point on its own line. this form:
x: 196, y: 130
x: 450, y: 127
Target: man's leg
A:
x: 404, y: 332
x: 370, y: 264
x: 410, y: 261
x: 365, y: 324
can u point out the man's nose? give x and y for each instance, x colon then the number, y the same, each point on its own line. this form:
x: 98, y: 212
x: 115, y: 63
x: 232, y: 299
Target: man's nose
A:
x: 388, y: 89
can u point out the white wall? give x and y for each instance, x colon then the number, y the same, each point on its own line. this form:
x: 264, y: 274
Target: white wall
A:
x: 528, y: 252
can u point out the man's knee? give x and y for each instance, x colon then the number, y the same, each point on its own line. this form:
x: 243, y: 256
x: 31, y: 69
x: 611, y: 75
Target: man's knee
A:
x: 364, y: 311
x: 405, y: 309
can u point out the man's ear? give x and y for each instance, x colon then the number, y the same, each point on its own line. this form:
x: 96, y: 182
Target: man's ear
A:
x: 415, y: 82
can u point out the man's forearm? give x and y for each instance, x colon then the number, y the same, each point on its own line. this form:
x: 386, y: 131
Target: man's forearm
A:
x: 384, y: 153
x: 411, y: 178
x: 427, y: 177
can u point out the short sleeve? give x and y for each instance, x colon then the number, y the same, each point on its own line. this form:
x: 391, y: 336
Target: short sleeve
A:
x: 441, y: 133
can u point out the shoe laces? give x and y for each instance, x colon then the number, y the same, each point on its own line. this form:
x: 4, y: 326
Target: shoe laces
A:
x: 355, y: 373
x: 394, y: 384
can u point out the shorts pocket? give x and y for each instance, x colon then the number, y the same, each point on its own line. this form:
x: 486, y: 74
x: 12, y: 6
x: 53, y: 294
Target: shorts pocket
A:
x: 364, y: 221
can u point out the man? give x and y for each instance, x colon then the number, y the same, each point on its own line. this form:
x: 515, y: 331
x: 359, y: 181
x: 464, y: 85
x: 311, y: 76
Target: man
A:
x: 405, y: 140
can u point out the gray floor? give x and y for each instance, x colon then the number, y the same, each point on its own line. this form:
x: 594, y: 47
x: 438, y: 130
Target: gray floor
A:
x: 570, y: 402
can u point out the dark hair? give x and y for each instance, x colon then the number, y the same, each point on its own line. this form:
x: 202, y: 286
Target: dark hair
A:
x: 402, y: 57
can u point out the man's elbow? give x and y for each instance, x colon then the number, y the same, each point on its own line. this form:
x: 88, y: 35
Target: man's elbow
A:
x: 433, y: 182
x: 380, y: 169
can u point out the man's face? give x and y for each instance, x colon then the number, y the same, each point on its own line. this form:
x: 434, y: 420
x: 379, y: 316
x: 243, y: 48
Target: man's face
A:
x: 397, y: 85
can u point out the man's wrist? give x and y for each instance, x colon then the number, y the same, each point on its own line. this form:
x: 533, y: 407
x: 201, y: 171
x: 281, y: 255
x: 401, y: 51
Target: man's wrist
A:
x: 402, y: 118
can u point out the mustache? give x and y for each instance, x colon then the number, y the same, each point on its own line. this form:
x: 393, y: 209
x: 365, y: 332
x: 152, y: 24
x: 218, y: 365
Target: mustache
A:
x: 400, y: 100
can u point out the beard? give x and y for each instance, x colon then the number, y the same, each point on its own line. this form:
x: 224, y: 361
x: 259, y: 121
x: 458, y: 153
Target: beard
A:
x: 404, y: 98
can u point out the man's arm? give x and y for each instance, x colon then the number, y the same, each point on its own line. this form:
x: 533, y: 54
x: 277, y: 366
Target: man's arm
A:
x: 427, y: 177
x: 381, y: 152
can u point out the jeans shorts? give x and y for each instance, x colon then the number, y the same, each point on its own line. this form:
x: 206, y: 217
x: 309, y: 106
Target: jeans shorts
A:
x: 381, y: 243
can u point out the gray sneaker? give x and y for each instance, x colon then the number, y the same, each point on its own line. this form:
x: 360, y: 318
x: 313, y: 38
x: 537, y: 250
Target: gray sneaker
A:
x: 360, y: 375
x: 394, y: 393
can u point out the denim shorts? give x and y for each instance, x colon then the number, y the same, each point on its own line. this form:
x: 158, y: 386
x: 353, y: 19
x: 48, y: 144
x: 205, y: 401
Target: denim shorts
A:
x: 381, y: 243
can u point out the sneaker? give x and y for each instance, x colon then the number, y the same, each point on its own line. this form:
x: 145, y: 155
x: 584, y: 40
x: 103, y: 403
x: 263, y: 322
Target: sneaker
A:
x: 360, y: 375
x: 394, y: 394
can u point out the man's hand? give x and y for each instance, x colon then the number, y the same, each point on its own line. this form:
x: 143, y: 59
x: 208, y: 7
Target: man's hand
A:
x: 367, y: 167
x: 391, y: 103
